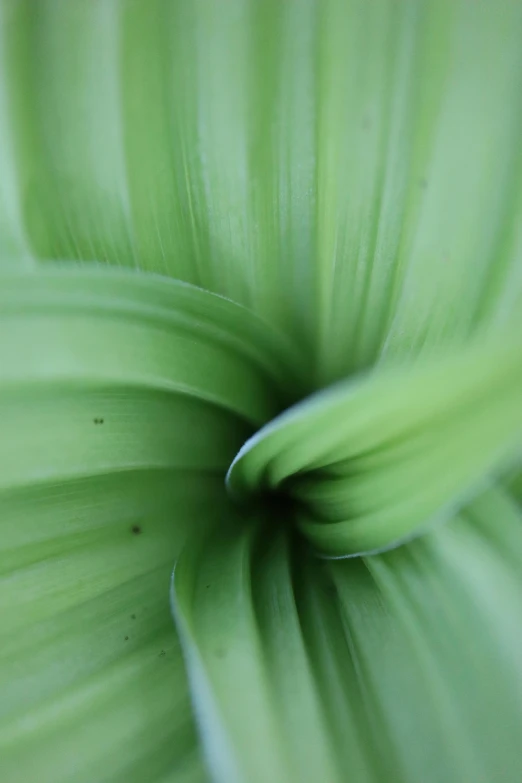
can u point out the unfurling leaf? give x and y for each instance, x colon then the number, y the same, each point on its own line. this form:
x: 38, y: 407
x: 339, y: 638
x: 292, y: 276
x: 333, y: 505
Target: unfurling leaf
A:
x: 260, y: 391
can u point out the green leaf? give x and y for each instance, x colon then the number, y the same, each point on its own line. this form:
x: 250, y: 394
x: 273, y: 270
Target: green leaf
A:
x: 419, y: 186
x: 143, y: 332
x: 123, y: 401
x: 259, y: 713
x: 91, y: 676
x: 349, y: 170
x: 375, y: 460
x: 402, y: 666
x: 14, y: 245
x: 66, y: 131
x: 433, y: 634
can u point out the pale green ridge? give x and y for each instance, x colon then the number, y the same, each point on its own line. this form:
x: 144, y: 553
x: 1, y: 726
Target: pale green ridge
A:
x: 235, y: 709
x: 61, y: 68
x: 101, y: 327
x: 14, y: 247
x: 378, y: 459
x: 297, y: 698
x: 257, y: 705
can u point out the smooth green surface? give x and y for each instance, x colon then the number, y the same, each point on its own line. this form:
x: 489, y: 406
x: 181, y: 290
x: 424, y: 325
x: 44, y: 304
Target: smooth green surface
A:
x: 280, y: 239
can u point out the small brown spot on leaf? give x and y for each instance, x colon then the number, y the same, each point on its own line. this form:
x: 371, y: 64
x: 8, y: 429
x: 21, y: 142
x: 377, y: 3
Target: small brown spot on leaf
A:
x: 136, y: 530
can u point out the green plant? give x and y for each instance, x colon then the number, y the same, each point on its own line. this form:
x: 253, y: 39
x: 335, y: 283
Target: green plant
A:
x: 260, y: 289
